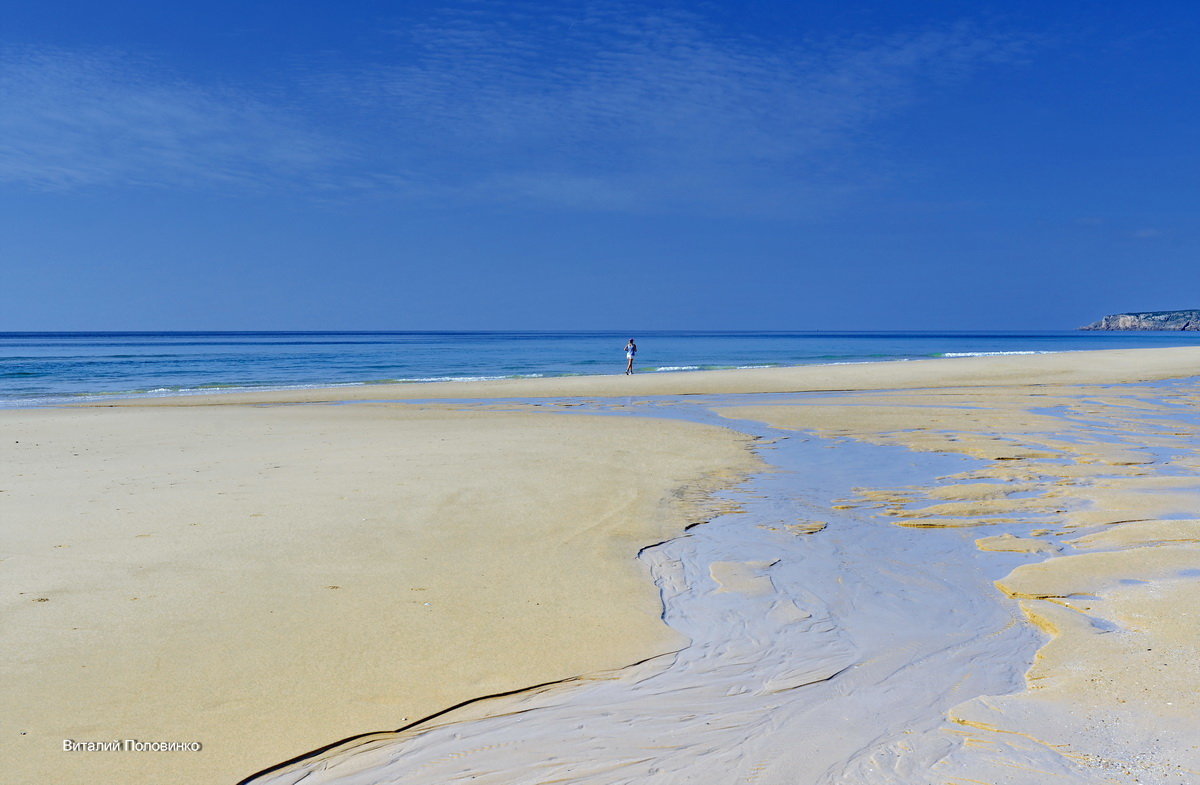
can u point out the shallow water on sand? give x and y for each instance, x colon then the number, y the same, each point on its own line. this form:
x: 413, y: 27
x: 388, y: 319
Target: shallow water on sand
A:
x: 819, y: 653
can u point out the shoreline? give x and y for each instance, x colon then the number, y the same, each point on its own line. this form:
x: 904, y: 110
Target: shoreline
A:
x: 102, y: 398
x: 1111, y: 366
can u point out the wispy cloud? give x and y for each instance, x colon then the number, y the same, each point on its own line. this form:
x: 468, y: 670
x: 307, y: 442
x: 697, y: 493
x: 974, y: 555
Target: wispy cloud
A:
x: 69, y: 120
x: 625, y: 110
x: 607, y: 108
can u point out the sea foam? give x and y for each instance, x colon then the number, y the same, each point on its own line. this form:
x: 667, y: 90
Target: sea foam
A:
x: 986, y: 354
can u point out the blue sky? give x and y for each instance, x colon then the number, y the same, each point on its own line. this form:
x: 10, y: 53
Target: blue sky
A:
x: 469, y: 165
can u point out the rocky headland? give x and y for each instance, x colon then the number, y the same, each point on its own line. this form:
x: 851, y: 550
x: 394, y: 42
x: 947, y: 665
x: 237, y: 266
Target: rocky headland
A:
x: 1149, y: 320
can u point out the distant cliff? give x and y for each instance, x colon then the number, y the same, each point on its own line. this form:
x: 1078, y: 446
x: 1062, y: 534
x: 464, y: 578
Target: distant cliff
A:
x: 1150, y: 320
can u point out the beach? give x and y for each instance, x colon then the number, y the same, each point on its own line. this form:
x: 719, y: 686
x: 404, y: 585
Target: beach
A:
x: 272, y: 573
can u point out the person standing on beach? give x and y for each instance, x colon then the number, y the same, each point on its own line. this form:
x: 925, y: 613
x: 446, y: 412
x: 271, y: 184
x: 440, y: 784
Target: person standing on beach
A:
x: 630, y: 351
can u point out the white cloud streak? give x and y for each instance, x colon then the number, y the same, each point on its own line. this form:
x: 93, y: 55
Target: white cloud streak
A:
x: 69, y: 120
x: 627, y: 111
x: 607, y: 108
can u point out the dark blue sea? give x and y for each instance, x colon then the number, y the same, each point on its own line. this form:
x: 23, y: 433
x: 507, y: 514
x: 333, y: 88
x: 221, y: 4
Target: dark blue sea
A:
x: 38, y: 369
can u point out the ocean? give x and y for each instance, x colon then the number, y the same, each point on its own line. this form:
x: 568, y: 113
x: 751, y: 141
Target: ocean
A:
x: 45, y: 369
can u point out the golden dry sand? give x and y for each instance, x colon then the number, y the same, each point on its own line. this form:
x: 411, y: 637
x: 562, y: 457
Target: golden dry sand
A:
x: 268, y: 580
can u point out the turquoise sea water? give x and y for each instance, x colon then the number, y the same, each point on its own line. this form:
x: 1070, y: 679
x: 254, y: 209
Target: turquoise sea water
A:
x: 38, y: 369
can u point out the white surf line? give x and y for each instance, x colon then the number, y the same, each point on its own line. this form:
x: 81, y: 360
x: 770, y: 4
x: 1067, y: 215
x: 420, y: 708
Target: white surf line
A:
x: 815, y: 658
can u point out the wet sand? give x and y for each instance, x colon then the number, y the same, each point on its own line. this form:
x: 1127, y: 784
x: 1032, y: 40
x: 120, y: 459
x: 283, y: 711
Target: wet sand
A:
x: 1103, y: 482
x: 960, y: 577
